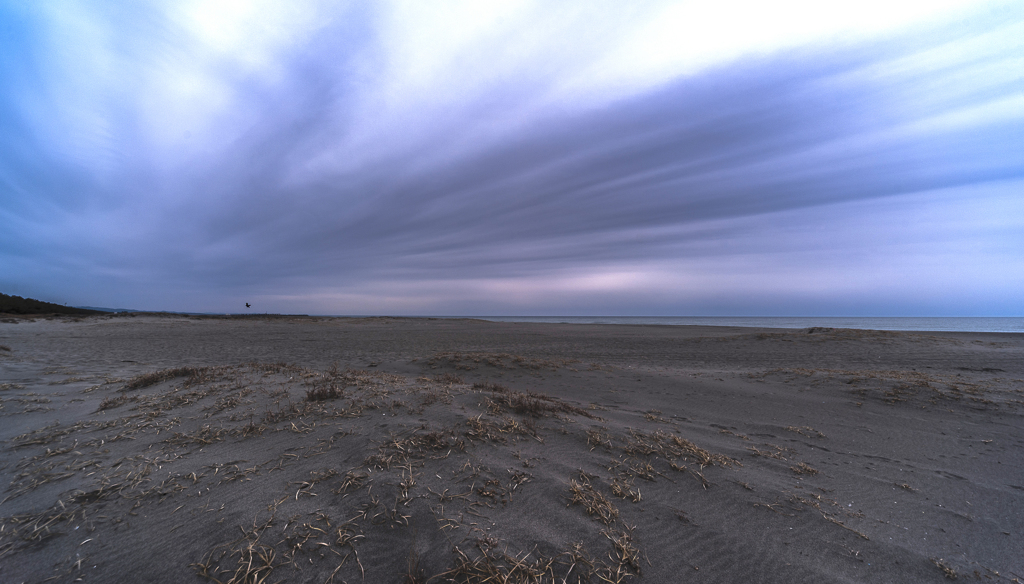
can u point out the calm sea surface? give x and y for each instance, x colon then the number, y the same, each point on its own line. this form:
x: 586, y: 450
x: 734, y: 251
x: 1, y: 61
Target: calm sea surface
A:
x: 964, y: 324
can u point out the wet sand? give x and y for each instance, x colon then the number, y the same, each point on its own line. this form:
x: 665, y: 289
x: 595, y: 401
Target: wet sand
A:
x: 181, y: 449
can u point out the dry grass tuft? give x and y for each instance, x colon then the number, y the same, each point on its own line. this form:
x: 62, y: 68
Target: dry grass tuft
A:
x: 807, y: 431
x: 804, y: 468
x: 315, y: 477
x: 597, y: 438
x: 530, y: 402
x: 253, y: 561
x: 947, y: 570
x: 488, y: 563
x: 483, y: 430
x: 448, y: 379
x: 113, y: 402
x: 194, y: 374
x: 775, y: 452
x: 622, y: 488
x: 595, y: 503
x: 625, y: 555
x: 397, y: 451
x: 324, y: 393
x: 351, y: 480
x: 434, y: 395
x: 486, y: 431
x: 53, y: 432
x: 203, y: 436
x: 492, y: 565
x: 278, y: 367
x: 670, y: 446
x: 654, y: 416
x: 290, y: 411
x: 27, y: 529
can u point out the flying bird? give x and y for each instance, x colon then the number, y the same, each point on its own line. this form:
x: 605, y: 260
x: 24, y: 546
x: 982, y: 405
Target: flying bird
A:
x: 247, y: 305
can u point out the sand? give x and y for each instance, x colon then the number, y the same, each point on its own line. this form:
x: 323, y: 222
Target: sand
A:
x: 179, y: 449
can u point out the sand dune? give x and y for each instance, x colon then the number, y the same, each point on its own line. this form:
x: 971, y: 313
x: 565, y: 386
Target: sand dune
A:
x: 176, y: 449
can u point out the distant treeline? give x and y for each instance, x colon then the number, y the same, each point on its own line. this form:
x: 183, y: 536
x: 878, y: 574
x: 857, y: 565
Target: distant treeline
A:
x: 18, y: 305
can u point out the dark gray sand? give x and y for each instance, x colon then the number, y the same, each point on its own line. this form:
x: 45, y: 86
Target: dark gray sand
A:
x: 176, y: 449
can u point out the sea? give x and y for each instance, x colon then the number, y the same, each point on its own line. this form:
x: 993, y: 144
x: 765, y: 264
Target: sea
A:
x: 1002, y: 324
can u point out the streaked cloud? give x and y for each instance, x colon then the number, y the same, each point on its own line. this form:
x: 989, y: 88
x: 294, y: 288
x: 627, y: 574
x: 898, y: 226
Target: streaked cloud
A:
x: 515, y: 157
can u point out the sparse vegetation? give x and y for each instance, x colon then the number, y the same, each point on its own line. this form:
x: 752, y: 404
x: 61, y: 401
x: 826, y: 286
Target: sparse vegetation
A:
x: 351, y: 465
x: 110, y: 402
x: 805, y: 431
x: 530, y: 403
x: 471, y: 361
x: 194, y: 375
x: 947, y: 570
x: 448, y: 378
x: 324, y: 393
x: 804, y: 469
x: 592, y: 500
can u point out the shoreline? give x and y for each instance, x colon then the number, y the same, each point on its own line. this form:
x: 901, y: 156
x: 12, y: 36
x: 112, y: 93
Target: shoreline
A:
x: 1011, y: 324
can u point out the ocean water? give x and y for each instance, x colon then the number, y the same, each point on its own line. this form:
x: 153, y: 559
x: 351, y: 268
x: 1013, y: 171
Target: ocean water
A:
x: 885, y: 323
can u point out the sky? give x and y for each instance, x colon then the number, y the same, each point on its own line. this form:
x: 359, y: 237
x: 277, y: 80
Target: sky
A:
x: 786, y: 158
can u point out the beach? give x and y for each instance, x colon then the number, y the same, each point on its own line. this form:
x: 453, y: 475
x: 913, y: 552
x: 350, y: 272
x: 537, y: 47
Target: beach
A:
x: 170, y: 448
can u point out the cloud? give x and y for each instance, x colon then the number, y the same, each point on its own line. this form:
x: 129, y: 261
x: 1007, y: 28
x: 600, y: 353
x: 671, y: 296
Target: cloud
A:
x: 343, y: 155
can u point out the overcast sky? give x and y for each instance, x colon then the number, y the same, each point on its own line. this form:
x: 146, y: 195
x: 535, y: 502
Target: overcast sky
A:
x: 515, y: 158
